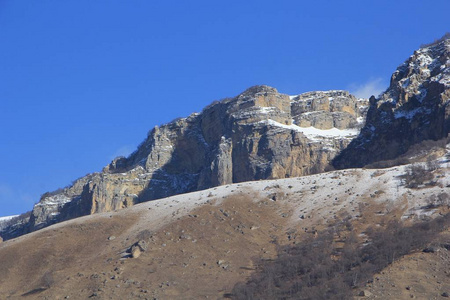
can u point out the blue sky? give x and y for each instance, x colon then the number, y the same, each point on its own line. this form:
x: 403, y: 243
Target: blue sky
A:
x: 84, y: 81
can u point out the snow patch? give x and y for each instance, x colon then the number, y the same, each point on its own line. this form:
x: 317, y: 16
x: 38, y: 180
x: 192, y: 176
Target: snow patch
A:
x: 7, y: 218
x: 266, y: 110
x: 312, y: 132
x: 409, y: 114
x: 57, y: 200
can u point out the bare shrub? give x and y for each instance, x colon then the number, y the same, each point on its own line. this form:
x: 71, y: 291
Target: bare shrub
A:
x: 432, y: 163
x: 48, y: 280
x: 383, y: 164
x: 443, y: 199
x: 419, y: 152
x: 436, y: 41
x: 317, y: 269
x: 417, y: 175
x: 144, y: 235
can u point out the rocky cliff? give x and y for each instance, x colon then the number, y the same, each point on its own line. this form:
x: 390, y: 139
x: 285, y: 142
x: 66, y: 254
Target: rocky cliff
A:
x: 263, y: 134
x: 414, y: 108
x: 260, y: 134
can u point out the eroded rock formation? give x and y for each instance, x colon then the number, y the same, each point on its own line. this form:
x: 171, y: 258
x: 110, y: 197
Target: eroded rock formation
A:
x: 414, y: 108
x: 260, y: 134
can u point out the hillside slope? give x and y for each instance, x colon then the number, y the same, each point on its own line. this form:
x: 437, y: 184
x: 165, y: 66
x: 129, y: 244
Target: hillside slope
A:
x: 199, y: 245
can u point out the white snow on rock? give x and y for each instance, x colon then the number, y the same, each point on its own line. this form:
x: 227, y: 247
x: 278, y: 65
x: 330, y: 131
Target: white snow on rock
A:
x: 312, y: 132
x: 7, y: 218
x: 409, y: 114
x: 266, y: 110
x: 58, y: 199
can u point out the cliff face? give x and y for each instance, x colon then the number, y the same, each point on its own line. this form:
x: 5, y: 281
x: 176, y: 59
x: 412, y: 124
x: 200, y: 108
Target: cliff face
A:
x: 414, y: 108
x: 263, y: 134
x: 260, y: 134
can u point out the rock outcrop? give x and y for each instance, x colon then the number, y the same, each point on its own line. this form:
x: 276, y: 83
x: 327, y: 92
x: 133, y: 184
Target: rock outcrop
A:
x: 260, y: 134
x: 414, y: 108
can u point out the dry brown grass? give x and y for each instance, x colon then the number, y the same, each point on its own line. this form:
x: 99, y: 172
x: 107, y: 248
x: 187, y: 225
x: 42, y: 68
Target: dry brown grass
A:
x: 194, y: 254
x: 200, y: 255
x: 342, y: 259
x: 46, y: 263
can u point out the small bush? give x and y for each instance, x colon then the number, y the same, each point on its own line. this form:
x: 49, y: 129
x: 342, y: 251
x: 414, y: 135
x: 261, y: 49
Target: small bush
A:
x: 443, y: 199
x: 417, y: 175
x: 317, y: 269
x: 48, y: 280
x: 416, y: 153
x: 444, y: 37
x: 144, y: 235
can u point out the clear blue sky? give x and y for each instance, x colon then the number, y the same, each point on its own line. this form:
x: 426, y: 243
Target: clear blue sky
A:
x: 84, y: 81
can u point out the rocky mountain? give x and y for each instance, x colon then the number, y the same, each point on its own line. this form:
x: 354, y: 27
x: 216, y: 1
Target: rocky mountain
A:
x: 260, y: 134
x: 200, y: 245
x: 241, y: 219
x: 264, y: 134
x: 414, y: 108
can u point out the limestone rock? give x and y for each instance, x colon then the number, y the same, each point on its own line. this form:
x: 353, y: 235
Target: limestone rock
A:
x: 137, y: 249
x: 365, y: 293
x: 259, y: 134
x: 415, y: 107
x: 326, y: 110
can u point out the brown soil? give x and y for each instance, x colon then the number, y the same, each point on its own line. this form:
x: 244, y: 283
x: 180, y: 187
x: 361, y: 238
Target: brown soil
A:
x: 201, y: 255
x: 419, y: 275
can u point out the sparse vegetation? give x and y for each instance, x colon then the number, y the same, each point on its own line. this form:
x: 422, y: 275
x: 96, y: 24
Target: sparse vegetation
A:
x: 318, y: 268
x: 420, y: 152
x: 444, y: 37
x: 417, y: 175
x: 53, y: 193
x: 443, y: 199
x: 432, y: 163
x: 144, y: 235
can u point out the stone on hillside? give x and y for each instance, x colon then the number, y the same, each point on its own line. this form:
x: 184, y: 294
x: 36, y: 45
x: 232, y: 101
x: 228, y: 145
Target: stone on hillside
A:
x: 365, y: 293
x: 137, y: 249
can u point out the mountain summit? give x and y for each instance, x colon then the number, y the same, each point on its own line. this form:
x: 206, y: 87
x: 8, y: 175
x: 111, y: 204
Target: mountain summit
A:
x: 259, y: 134
x: 264, y: 134
x: 414, y: 108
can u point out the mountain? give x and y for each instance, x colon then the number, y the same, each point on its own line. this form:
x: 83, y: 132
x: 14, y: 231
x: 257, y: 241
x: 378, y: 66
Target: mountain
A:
x: 199, y: 245
x: 259, y: 134
x: 414, y: 108
x: 263, y: 134
x: 246, y: 206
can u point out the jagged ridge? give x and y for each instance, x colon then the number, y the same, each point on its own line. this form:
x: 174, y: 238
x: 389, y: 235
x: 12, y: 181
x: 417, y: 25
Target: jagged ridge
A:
x: 260, y: 134
x: 414, y: 108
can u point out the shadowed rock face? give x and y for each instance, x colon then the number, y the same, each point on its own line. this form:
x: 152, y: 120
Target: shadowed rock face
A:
x: 414, y: 108
x: 260, y: 134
